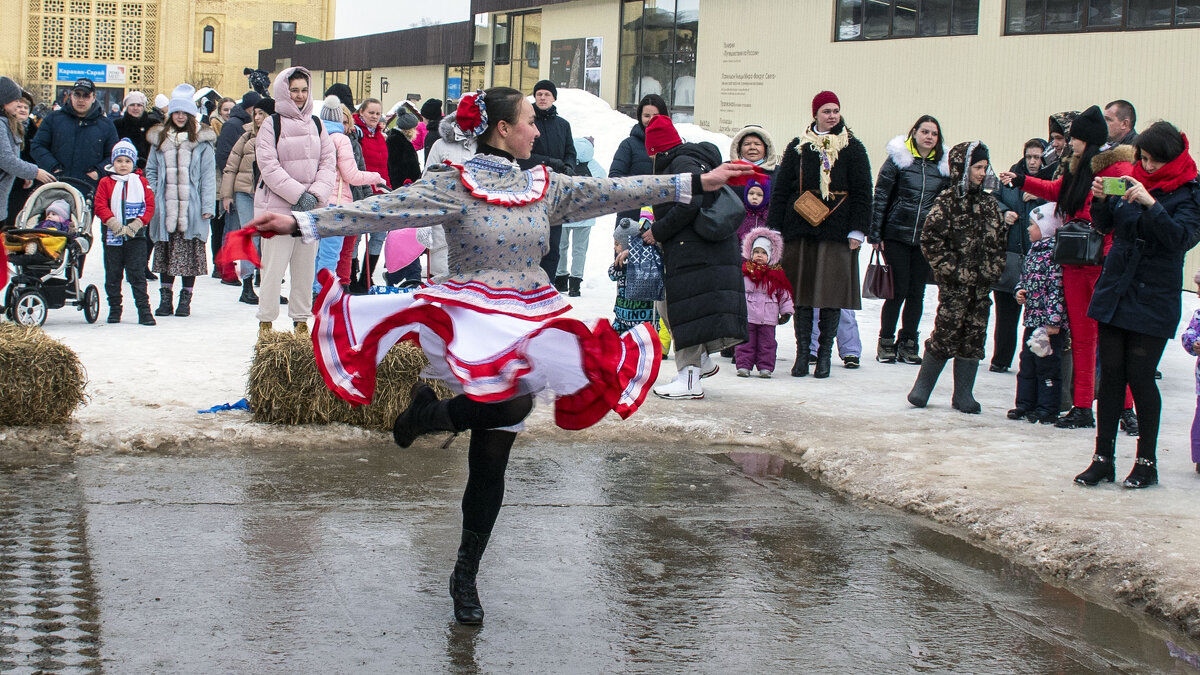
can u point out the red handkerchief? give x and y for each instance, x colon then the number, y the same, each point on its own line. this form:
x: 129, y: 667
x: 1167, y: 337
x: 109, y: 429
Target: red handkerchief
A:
x: 758, y: 175
x: 239, y: 245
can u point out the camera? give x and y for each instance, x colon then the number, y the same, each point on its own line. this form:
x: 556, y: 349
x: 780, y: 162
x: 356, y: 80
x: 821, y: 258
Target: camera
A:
x: 1116, y: 187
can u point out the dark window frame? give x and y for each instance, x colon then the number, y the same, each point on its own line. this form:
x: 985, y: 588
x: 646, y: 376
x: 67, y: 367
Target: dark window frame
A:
x: 208, y: 41
x: 283, y: 26
x: 1084, y: 18
x: 677, y: 57
x: 955, y: 6
x: 517, y: 54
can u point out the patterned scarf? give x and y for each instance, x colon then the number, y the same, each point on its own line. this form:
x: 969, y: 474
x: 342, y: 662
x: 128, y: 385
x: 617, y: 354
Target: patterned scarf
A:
x: 826, y: 145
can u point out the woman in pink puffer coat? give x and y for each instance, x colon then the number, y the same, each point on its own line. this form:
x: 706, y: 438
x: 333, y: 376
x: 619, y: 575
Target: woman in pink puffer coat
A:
x: 298, y: 173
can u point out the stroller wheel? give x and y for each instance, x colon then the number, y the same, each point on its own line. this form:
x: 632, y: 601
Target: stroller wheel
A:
x: 91, y: 304
x: 30, y: 308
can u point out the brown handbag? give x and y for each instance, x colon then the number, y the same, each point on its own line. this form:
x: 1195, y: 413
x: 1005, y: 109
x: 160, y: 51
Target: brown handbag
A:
x: 811, y: 207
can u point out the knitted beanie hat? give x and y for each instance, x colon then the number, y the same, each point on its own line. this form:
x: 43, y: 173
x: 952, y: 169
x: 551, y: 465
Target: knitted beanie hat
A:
x: 134, y: 98
x: 823, y: 98
x: 124, y: 148
x: 661, y: 135
x: 249, y: 99
x: 546, y: 85
x: 1090, y: 127
x: 406, y: 121
x: 61, y: 208
x: 266, y: 105
x: 431, y: 109
x: 182, y: 101
x: 9, y: 91
x: 979, y: 154
x: 331, y: 109
x: 161, y: 101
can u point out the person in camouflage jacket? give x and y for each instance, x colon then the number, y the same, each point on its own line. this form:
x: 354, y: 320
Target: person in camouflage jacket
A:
x: 964, y: 240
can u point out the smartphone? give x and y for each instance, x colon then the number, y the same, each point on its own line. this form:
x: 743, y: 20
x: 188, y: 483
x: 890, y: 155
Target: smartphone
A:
x: 1116, y: 187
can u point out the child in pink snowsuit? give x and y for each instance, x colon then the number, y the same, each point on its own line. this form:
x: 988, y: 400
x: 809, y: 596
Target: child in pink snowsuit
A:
x: 768, y: 300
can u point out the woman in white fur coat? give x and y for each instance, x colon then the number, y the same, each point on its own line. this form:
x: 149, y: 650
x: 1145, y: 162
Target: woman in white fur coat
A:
x: 182, y: 173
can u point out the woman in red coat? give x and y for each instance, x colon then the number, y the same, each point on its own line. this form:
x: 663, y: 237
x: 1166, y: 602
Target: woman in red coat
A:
x: 375, y: 158
x: 1073, y: 193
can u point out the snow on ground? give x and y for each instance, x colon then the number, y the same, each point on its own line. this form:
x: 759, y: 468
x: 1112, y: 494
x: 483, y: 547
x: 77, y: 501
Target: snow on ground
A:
x: 1002, y: 484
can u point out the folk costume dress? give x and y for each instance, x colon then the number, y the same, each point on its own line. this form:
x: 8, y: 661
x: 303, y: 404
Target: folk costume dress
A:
x: 494, y: 329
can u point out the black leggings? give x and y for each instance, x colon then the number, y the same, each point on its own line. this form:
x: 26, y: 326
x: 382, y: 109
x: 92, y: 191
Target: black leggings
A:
x: 1004, y: 336
x: 910, y: 272
x: 487, y: 458
x: 1129, y: 358
x: 168, y: 280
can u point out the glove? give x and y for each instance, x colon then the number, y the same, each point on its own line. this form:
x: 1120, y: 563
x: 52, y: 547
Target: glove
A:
x: 1039, y: 342
x: 127, y: 231
x: 784, y: 318
x: 307, y: 202
x: 113, y: 224
x: 134, y: 225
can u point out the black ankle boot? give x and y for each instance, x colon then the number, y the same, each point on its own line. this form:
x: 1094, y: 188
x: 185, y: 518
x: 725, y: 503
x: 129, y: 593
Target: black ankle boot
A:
x: 560, y: 283
x: 1101, y: 468
x: 908, y: 350
x: 165, y: 307
x: 425, y: 414
x: 463, y: 591
x: 573, y: 284
x: 248, y: 295
x: 145, y: 316
x: 1144, y: 474
x: 114, y: 313
x: 885, y: 351
x: 184, y: 308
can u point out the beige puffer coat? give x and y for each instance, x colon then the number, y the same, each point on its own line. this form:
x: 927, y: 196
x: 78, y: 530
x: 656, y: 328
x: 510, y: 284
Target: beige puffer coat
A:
x: 238, y: 175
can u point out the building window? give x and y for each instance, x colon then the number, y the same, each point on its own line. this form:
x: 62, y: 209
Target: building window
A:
x: 210, y: 34
x: 463, y: 79
x: 284, y: 26
x: 658, y: 53
x: 884, y: 19
x: 1073, y: 16
x: 516, y: 50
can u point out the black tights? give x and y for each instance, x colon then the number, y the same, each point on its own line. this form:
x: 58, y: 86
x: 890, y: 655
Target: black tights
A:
x: 168, y: 280
x: 487, y: 458
x: 1128, y: 358
x: 910, y: 272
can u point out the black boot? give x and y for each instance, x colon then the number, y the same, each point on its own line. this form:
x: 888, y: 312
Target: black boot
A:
x: 184, y: 308
x: 425, y: 414
x: 463, y: 591
x: 165, y: 307
x: 1077, y: 418
x: 908, y: 350
x: 372, y: 262
x: 573, y: 286
x: 1129, y: 422
x: 248, y: 295
x: 145, y: 316
x: 560, y: 283
x: 827, y: 326
x: 931, y: 368
x: 114, y: 311
x: 885, y: 351
x: 1101, y: 468
x: 1144, y: 474
x: 354, y: 265
x: 964, y: 386
x: 802, y: 325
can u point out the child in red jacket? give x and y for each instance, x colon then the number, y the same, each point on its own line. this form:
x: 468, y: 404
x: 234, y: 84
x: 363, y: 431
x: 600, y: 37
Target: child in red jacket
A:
x: 124, y: 203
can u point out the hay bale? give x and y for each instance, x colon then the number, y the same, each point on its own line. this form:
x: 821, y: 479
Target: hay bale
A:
x: 41, y: 379
x: 285, y: 386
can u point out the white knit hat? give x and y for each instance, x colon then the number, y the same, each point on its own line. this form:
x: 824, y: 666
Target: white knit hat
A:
x: 182, y: 101
x: 134, y: 97
x: 124, y: 148
x: 331, y: 109
x: 161, y: 101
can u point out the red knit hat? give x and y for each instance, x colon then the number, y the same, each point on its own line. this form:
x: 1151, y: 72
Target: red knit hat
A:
x: 661, y: 135
x: 823, y: 98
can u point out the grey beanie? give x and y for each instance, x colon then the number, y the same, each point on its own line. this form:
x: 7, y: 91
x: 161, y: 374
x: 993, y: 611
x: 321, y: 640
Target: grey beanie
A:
x: 60, y: 207
x: 406, y: 121
x: 9, y: 91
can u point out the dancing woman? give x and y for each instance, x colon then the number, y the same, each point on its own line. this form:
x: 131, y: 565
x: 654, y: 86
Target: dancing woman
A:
x: 493, y: 331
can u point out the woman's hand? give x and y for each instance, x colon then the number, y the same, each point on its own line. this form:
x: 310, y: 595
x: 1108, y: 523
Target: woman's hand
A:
x: 1136, y: 192
x: 1098, y: 189
x: 1010, y: 217
x: 227, y: 204
x: 1006, y: 177
x: 44, y: 176
x: 648, y: 237
x: 880, y: 245
x: 854, y: 243
x: 1025, y: 196
x: 207, y: 216
x: 722, y: 174
x: 275, y: 223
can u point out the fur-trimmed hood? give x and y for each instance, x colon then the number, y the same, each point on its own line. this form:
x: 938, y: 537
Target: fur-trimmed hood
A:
x: 902, y: 157
x: 204, y: 134
x: 773, y: 255
x: 771, y: 160
x: 1118, y: 153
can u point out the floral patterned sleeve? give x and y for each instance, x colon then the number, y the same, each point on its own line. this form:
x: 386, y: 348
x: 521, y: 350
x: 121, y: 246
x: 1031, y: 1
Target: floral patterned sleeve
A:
x: 436, y: 199
x: 1192, y: 335
x: 571, y: 200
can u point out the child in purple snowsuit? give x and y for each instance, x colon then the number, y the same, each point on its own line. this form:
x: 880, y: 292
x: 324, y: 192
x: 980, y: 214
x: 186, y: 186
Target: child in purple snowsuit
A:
x: 757, y: 199
x: 768, y: 300
x: 1191, y: 342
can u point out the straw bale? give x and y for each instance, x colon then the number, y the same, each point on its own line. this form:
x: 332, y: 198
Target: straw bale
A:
x: 41, y: 379
x: 285, y: 386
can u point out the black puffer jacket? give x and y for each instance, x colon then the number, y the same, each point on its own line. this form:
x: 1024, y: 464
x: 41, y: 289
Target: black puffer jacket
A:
x: 851, y: 173
x: 403, y: 163
x: 135, y: 128
x: 231, y: 131
x: 555, y: 147
x: 904, y: 192
x: 706, y: 297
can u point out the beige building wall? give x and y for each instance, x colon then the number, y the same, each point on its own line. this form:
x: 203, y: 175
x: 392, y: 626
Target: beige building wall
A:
x: 428, y: 81
x: 585, y: 19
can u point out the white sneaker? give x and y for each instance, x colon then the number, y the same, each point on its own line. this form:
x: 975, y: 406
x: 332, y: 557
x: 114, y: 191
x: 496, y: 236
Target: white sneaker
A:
x: 765, y: 374
x: 685, y: 385
x: 743, y: 372
x: 708, y: 367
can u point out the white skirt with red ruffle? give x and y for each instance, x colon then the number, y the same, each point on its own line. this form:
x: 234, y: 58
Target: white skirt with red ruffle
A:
x: 481, y: 343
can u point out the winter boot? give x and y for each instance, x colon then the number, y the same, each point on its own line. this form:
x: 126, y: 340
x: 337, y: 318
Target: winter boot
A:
x: 1144, y: 474
x: 964, y: 385
x: 686, y: 385
x: 908, y: 350
x: 573, y: 286
x: 145, y: 316
x: 560, y: 283
x: 114, y: 311
x: 372, y: 263
x: 184, y: 308
x: 931, y: 368
x: 802, y: 325
x: 885, y: 351
x: 354, y: 265
x: 1101, y: 468
x: 1128, y: 423
x: 827, y: 326
x: 463, y: 591
x: 248, y: 295
x: 424, y: 414
x: 1077, y: 418
x: 165, y: 307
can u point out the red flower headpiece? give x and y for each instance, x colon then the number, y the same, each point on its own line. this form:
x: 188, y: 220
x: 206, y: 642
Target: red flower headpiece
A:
x: 471, y: 115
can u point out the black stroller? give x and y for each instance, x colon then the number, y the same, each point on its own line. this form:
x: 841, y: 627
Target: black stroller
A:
x: 46, y: 264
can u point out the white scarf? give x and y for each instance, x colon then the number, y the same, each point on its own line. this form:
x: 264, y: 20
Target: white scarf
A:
x: 128, y: 199
x: 826, y: 145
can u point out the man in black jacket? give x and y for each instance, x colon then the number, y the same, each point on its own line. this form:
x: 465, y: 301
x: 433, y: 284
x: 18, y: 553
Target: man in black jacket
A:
x: 76, y: 141
x: 554, y: 147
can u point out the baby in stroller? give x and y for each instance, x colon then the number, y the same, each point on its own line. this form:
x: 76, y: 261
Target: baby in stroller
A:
x: 57, y: 217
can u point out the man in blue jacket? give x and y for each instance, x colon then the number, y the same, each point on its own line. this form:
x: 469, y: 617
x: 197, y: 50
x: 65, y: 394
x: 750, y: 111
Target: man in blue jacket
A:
x: 76, y: 141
